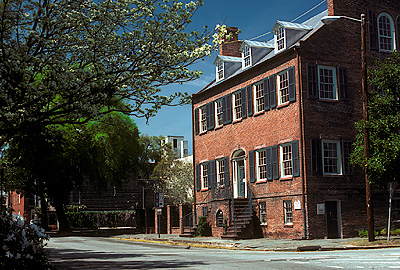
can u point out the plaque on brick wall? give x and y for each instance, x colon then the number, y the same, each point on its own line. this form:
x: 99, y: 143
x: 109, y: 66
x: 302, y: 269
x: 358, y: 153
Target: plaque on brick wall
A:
x: 297, y: 205
x: 320, y: 209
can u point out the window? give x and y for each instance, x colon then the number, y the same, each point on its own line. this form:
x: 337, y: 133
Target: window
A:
x: 327, y: 83
x: 205, y: 210
x: 283, y: 88
x: 220, y: 171
x: 246, y: 56
x: 261, y: 165
x: 288, y: 213
x: 237, y: 105
x: 219, y: 120
x: 204, y: 176
x: 203, y: 119
x: 259, y: 97
x: 385, y: 32
x: 286, y: 160
x: 220, y: 218
x: 220, y: 70
x: 280, y: 39
x: 263, y: 213
x: 331, y: 157
x: 175, y: 142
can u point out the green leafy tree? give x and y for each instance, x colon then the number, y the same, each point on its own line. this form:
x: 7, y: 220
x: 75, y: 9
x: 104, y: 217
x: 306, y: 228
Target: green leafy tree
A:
x: 383, y: 125
x: 54, y: 159
x: 65, y: 61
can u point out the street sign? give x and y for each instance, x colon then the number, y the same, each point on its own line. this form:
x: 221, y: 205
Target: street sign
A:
x: 161, y: 200
x: 159, y: 211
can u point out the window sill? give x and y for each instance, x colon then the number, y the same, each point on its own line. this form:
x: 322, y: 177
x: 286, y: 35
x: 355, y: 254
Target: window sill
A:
x: 262, y: 181
x: 332, y: 175
x: 204, y: 189
x: 237, y: 121
x: 219, y: 127
x: 289, y: 225
x: 283, y: 105
x: 258, y: 113
x: 328, y: 100
x: 202, y: 133
x: 286, y: 178
x: 264, y: 224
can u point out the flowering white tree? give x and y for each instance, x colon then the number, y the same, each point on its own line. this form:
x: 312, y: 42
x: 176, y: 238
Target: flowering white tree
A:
x: 67, y: 61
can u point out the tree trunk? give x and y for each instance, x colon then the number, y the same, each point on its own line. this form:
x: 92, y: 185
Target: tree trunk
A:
x: 44, y: 220
x: 61, y: 217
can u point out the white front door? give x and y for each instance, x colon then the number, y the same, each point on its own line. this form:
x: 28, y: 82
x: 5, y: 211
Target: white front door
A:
x: 239, y: 178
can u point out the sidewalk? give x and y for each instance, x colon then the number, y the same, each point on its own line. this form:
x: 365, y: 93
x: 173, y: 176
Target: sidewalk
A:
x: 260, y: 244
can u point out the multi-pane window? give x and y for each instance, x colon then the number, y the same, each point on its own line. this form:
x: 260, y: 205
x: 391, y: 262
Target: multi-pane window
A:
x: 261, y: 165
x: 385, y: 26
x: 204, y: 176
x: 327, y: 83
x: 259, y: 97
x: 220, y: 171
x: 237, y: 105
x: 283, y: 87
x: 263, y: 213
x: 288, y: 212
x: 203, y: 119
x: 246, y: 56
x: 280, y: 38
x: 331, y: 157
x: 286, y: 160
x: 219, y: 218
x: 218, y: 113
x: 220, y: 70
x: 205, y: 211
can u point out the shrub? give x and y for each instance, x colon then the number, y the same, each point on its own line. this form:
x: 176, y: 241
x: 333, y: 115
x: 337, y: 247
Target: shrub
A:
x: 21, y: 246
x: 203, y: 227
x: 92, y: 219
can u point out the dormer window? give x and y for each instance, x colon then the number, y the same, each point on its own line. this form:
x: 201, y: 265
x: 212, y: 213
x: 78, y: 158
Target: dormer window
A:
x: 246, y: 56
x: 220, y: 70
x: 280, y: 39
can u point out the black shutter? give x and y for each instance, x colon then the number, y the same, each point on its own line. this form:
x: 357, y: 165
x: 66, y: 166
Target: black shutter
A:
x: 251, y: 167
x: 295, y: 158
x: 210, y: 116
x: 292, y: 84
x: 373, y: 31
x: 211, y: 174
x: 275, y: 162
x: 243, y: 94
x: 226, y: 173
x: 316, y: 156
x: 272, y: 92
x: 312, y: 81
x: 227, y: 109
x: 343, y: 83
x: 398, y: 33
x: 198, y: 187
x: 266, y: 94
x: 269, y: 163
x: 196, y: 121
x: 249, y: 100
x: 347, y: 149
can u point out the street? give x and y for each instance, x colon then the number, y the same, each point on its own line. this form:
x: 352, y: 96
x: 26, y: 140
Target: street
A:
x: 106, y: 253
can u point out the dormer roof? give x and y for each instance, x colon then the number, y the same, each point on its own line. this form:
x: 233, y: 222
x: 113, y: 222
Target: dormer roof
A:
x: 256, y: 44
x: 290, y: 25
x: 227, y: 59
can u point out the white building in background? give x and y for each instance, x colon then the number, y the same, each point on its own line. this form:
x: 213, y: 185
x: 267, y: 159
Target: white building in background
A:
x: 180, y: 146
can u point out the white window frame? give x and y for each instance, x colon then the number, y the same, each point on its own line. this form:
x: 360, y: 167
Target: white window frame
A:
x: 280, y: 39
x: 389, y: 35
x: 261, y: 167
x: 246, y: 56
x: 288, y: 212
x: 220, y: 70
x: 204, y: 175
x: 220, y: 171
x: 334, y: 83
x: 338, y: 157
x: 237, y: 105
x: 258, y: 97
x: 263, y: 213
x: 286, y: 160
x: 283, y: 87
x: 219, y: 121
x: 203, y: 119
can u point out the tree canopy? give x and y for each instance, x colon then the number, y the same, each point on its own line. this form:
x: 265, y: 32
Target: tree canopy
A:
x: 383, y: 125
x: 64, y: 61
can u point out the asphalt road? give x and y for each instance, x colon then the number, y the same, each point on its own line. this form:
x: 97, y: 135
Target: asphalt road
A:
x: 105, y: 253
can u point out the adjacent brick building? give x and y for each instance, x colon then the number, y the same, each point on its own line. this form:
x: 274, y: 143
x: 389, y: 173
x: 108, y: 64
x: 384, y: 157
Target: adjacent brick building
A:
x: 274, y: 131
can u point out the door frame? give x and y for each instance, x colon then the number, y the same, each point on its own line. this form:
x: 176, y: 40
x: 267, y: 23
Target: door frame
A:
x: 235, y: 169
x: 339, y: 217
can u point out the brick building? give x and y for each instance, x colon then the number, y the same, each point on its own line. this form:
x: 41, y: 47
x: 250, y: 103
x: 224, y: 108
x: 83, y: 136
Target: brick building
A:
x: 273, y: 132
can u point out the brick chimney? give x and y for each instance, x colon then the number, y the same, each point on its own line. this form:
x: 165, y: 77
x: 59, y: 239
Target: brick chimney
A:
x: 230, y: 47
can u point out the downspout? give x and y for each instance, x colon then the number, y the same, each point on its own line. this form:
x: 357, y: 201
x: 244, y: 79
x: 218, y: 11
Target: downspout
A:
x: 194, y: 168
x: 301, y: 144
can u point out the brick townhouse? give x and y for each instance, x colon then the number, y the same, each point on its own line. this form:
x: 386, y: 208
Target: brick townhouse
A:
x: 273, y: 132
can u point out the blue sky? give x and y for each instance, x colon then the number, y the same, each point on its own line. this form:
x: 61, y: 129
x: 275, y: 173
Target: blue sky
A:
x: 254, y: 18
